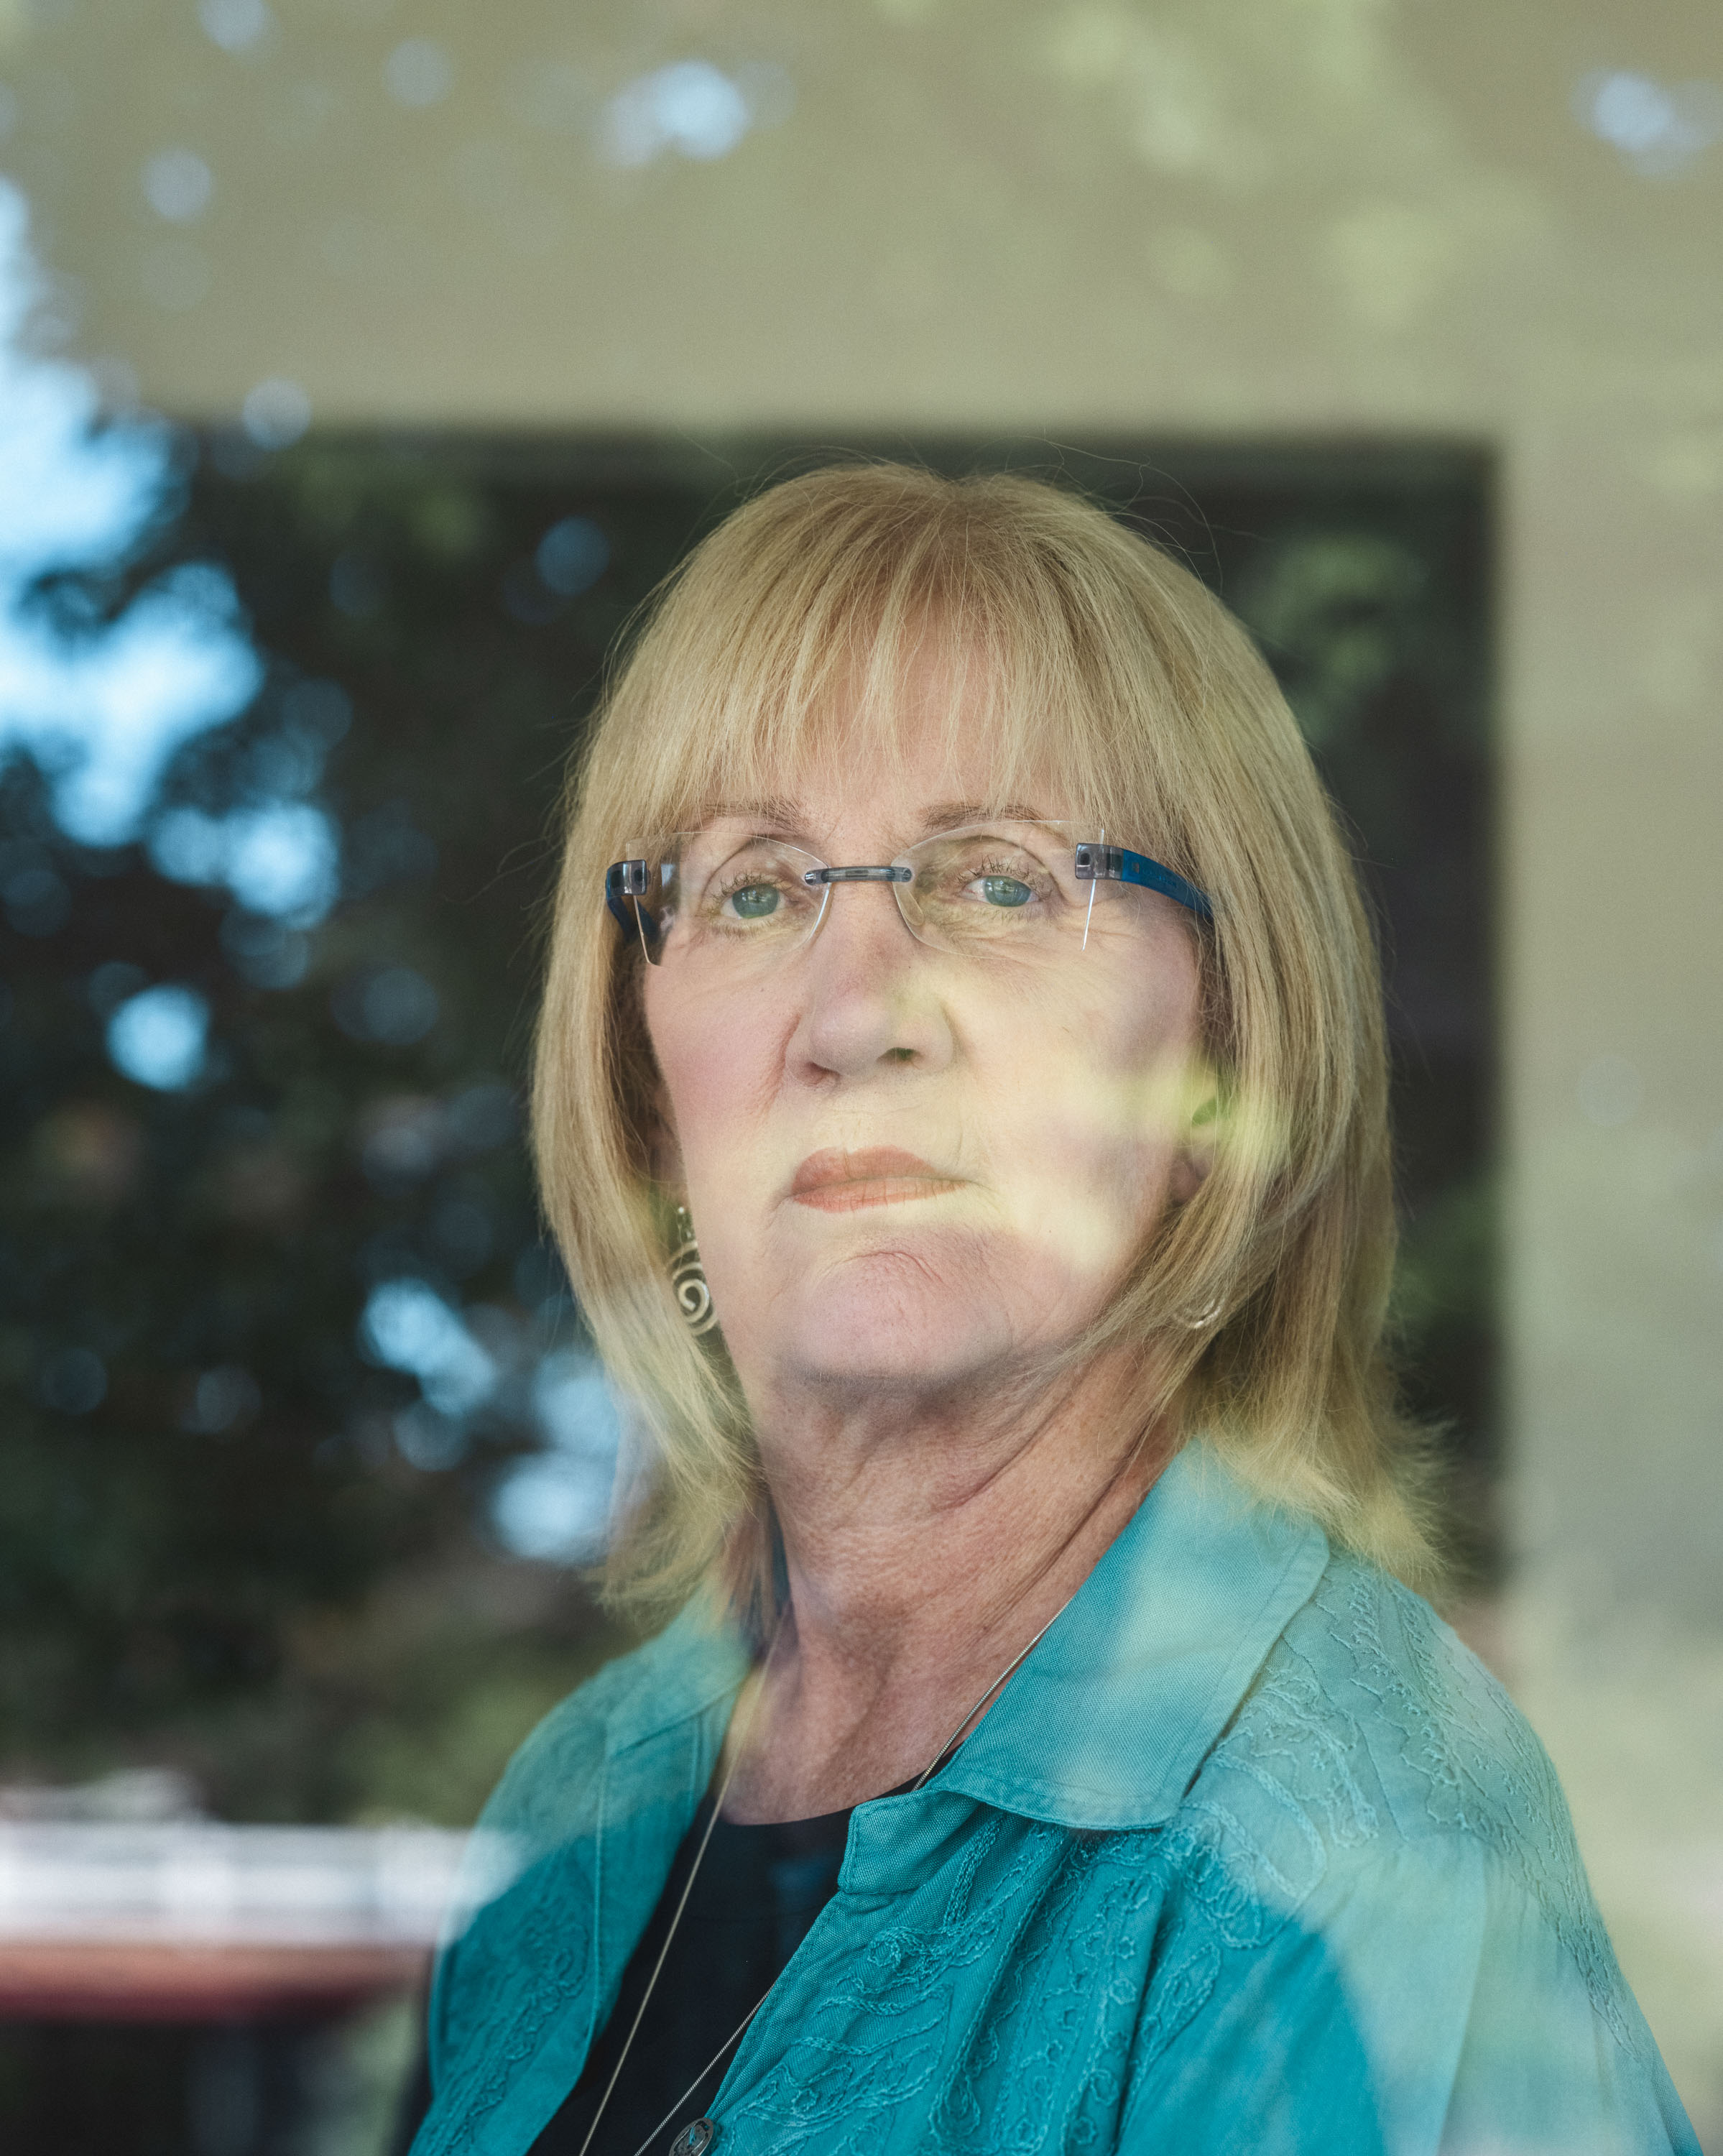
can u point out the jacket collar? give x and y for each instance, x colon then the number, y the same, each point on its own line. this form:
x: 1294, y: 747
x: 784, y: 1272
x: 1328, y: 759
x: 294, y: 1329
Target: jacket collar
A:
x: 1109, y: 1717
x: 700, y: 1659
x: 1108, y: 1720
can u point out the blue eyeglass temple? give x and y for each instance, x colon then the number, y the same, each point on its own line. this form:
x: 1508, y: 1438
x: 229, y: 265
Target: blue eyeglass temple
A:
x: 1119, y: 864
x: 629, y: 880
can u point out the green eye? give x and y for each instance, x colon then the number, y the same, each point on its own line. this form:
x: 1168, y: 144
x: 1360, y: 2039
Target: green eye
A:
x: 754, y: 901
x: 1005, y: 891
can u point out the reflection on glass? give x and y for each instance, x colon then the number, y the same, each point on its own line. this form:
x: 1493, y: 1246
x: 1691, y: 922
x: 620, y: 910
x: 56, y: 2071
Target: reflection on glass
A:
x: 178, y: 185
x: 1657, y: 129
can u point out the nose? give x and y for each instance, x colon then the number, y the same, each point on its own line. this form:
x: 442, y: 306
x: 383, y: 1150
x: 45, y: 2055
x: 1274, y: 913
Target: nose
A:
x: 868, y: 998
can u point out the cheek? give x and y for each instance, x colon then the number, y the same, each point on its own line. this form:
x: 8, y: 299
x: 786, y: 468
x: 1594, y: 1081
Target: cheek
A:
x: 1080, y: 1161
x: 715, y: 1069
x: 1082, y: 1115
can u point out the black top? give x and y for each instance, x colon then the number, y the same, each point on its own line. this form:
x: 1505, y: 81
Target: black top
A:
x: 754, y: 1898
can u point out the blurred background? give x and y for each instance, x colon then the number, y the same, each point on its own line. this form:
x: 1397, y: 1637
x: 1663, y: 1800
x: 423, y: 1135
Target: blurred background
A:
x: 362, y: 364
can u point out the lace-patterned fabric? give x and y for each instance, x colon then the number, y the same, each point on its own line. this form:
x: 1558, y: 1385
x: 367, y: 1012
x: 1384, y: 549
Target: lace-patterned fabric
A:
x: 1482, y: 1771
x: 1358, y: 1922
x: 516, y: 1974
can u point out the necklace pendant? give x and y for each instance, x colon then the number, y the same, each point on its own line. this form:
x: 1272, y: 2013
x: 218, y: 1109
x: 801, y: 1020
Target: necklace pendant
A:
x: 695, y: 2138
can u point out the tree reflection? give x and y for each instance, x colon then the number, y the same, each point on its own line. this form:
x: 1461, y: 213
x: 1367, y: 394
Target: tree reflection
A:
x: 303, y: 1424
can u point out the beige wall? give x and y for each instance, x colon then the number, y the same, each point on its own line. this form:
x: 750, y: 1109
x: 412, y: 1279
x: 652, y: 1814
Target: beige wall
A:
x: 1037, y: 216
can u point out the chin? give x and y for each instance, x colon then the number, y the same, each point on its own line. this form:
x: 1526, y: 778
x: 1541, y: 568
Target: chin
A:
x: 887, y: 1320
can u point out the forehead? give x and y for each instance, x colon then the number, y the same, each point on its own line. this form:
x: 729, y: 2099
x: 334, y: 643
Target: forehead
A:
x: 938, y: 751
x: 894, y: 718
x: 926, y: 782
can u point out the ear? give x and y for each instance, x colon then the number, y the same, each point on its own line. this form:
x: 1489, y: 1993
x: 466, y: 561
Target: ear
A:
x: 1196, y: 1155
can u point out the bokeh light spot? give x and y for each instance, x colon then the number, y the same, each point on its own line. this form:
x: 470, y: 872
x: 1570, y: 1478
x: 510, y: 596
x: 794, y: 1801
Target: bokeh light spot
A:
x: 402, y: 1140
x: 689, y: 107
x: 178, y: 185
x: 427, y: 1441
x: 160, y: 1037
x: 407, y: 1326
x: 283, y: 860
x: 572, y: 555
x: 33, y: 891
x: 418, y: 72
x: 1656, y: 129
x: 276, y: 413
x: 483, y: 1117
x: 355, y: 585
x: 394, y: 1006
x: 555, y: 1506
x: 263, y: 952
x: 224, y: 1398
x: 101, y: 709
x: 73, y: 1384
x: 237, y: 26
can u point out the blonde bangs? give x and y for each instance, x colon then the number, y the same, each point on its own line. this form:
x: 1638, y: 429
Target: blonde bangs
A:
x: 745, y: 677
x: 816, y: 619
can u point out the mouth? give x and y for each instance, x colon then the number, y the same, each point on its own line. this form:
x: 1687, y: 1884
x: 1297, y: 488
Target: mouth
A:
x: 834, y: 1181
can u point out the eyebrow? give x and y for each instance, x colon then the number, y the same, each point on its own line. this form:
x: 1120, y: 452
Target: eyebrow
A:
x: 777, y: 810
x: 951, y: 815
x: 779, y: 814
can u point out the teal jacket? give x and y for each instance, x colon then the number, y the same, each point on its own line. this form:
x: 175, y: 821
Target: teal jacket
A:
x: 1250, y: 1855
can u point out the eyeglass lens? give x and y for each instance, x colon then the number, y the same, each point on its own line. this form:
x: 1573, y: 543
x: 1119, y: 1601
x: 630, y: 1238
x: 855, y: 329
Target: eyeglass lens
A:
x: 732, y: 898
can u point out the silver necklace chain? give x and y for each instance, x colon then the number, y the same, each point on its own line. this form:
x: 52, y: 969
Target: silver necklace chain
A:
x: 921, y: 1781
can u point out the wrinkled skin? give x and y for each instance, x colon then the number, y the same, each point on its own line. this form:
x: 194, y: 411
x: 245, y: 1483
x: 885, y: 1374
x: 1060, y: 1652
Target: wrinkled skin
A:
x: 942, y: 1487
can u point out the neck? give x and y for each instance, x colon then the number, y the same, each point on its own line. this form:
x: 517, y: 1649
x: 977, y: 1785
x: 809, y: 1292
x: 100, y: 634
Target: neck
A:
x: 927, y: 1541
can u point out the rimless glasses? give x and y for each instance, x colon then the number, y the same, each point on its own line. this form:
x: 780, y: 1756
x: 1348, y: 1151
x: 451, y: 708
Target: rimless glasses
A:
x: 729, y: 897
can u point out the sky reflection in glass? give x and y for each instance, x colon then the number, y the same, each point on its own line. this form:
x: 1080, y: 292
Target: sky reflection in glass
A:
x: 102, y: 710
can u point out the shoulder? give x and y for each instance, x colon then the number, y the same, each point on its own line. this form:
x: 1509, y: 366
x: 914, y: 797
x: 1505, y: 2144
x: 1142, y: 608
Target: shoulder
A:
x: 553, y: 1763
x: 1369, y: 1672
x: 1376, y: 1862
x: 518, y: 1952
x: 1376, y: 1764
x: 547, y: 1792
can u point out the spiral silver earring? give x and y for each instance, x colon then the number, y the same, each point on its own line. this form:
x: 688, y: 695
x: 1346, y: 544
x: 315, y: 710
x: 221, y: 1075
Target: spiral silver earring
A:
x: 1204, y: 1318
x: 688, y: 1279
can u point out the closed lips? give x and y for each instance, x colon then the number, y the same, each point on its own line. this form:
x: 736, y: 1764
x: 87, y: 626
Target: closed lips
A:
x: 834, y: 1181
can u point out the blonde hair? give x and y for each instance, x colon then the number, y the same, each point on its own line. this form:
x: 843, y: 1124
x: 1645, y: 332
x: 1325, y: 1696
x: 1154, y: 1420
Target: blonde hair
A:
x: 1088, y: 656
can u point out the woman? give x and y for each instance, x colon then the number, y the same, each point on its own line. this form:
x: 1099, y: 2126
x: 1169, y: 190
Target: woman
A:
x: 961, y: 1102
